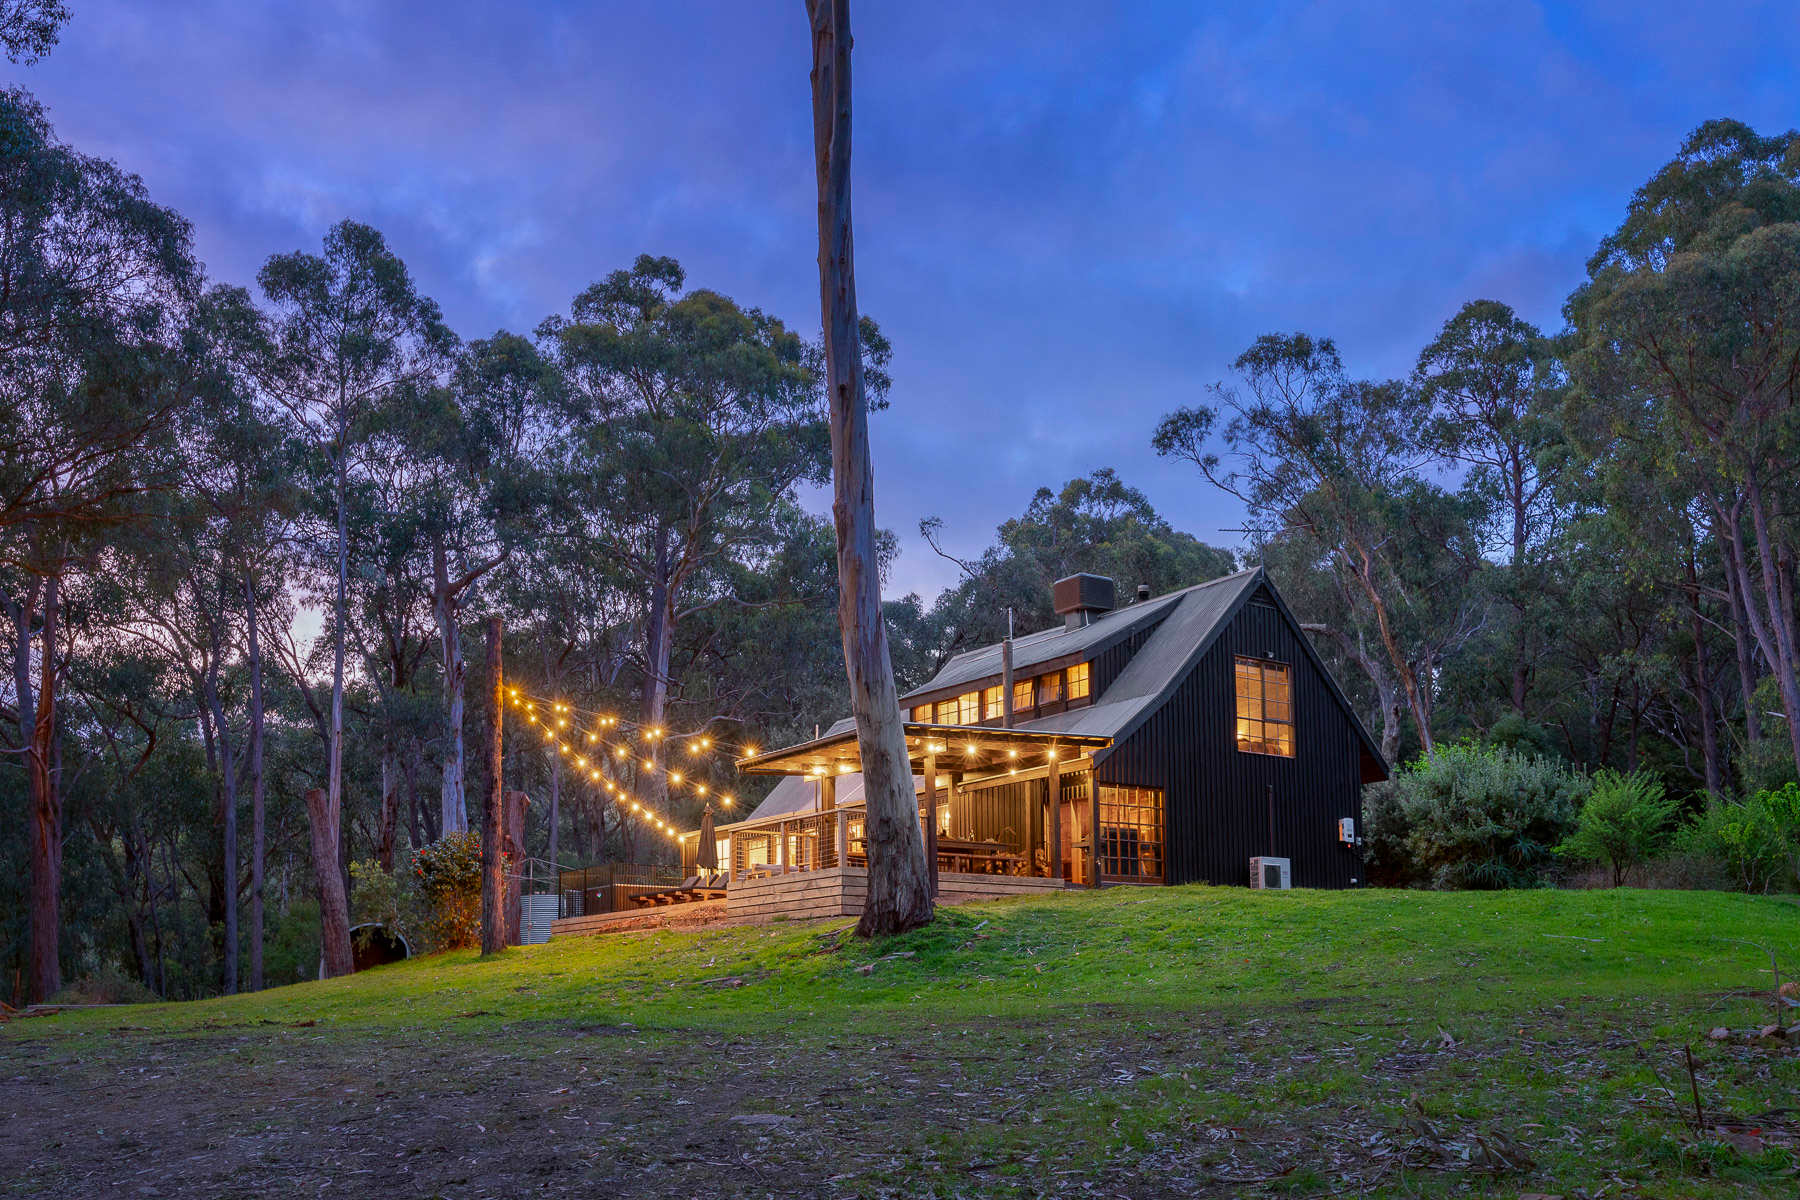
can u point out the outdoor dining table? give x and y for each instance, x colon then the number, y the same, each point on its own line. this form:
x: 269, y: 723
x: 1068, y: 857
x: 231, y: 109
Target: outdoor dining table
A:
x: 975, y: 857
x: 958, y: 854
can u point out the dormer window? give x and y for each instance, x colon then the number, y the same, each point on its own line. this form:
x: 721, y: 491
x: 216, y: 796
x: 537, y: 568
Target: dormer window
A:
x: 1078, y: 682
x: 1265, y: 707
x: 992, y: 708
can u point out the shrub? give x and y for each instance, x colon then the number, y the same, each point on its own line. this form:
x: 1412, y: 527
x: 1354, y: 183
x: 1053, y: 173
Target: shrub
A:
x: 389, y: 899
x: 1625, y: 821
x: 448, y: 874
x: 108, y: 985
x: 1756, y: 840
x: 1472, y: 817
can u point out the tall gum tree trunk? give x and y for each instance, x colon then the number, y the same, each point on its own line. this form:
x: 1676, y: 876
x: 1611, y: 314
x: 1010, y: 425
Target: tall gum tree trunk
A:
x: 334, y: 903
x: 334, y: 918
x: 228, y: 828
x: 493, y: 833
x: 1780, y: 615
x: 390, y: 807
x: 658, y: 638
x: 258, y: 833
x: 899, y: 883
x: 453, y: 802
x: 45, y: 825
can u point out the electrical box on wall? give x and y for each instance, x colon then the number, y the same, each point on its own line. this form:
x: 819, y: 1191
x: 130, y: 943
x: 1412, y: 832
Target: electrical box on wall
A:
x: 1347, y: 831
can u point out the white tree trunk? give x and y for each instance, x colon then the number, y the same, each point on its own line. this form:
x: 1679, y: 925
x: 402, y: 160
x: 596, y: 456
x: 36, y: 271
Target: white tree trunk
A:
x: 899, y: 883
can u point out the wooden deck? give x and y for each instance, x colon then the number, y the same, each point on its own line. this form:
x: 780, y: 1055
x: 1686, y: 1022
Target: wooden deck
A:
x: 841, y: 891
x: 674, y: 916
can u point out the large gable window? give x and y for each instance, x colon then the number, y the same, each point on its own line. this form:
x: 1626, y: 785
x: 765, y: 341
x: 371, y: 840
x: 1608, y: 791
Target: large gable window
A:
x: 1265, y: 707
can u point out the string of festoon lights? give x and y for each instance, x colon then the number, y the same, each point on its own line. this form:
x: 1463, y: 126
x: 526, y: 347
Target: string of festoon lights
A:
x: 601, y: 743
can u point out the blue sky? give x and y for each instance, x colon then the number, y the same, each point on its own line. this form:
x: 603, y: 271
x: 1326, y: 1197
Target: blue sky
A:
x: 1070, y: 216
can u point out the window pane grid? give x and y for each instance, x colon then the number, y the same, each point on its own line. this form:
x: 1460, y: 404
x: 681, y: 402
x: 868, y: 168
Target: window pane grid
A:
x: 1078, y: 681
x: 1264, y: 708
x: 1131, y: 832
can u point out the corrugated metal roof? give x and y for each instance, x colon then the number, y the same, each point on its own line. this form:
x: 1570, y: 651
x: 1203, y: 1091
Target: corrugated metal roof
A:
x: 800, y: 793
x: 1045, y: 645
x: 1159, y: 664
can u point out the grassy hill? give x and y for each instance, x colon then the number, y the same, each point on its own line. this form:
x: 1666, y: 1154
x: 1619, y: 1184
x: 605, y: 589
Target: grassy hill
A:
x: 1181, y: 1041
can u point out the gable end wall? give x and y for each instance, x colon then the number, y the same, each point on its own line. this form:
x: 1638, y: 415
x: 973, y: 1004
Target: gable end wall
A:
x: 1216, y: 799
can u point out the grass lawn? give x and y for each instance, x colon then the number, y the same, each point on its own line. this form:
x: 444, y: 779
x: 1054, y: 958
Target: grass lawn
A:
x: 1174, y: 1041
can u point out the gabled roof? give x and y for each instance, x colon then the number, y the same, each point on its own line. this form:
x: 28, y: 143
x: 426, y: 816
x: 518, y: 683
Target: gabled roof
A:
x: 1201, y: 613
x: 1195, y: 616
x: 1183, y: 626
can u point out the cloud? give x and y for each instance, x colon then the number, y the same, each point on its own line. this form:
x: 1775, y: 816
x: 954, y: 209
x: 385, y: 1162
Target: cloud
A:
x: 1070, y: 217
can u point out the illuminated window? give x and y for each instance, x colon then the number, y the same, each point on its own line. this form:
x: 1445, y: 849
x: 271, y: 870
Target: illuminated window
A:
x: 991, y: 708
x: 1022, y: 696
x: 1265, y: 707
x: 946, y: 712
x: 1049, y: 687
x: 1078, y: 681
x: 1131, y: 833
x: 922, y: 713
x: 968, y: 708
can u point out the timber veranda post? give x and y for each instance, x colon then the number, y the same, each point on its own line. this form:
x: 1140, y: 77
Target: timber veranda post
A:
x: 1093, y: 798
x: 931, y: 818
x: 1053, y: 826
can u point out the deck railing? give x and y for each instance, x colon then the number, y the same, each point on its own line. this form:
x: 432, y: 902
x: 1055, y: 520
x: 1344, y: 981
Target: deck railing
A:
x: 819, y: 841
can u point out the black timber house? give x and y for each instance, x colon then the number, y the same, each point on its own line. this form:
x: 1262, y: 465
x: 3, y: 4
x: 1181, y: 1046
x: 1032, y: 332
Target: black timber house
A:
x: 1199, y: 730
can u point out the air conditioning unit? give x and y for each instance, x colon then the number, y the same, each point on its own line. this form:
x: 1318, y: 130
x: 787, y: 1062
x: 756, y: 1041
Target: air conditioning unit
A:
x: 1271, y: 873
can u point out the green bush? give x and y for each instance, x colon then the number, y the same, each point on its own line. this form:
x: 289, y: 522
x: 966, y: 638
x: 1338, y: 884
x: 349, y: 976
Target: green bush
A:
x: 1625, y: 822
x: 1472, y: 817
x: 1755, y: 840
x: 108, y: 985
x: 448, y: 875
x: 389, y: 899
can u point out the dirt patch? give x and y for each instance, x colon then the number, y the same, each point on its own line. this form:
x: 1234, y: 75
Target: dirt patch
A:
x: 1131, y: 1103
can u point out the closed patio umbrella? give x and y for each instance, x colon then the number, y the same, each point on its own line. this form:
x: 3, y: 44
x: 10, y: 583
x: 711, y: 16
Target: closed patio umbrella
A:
x: 708, y: 859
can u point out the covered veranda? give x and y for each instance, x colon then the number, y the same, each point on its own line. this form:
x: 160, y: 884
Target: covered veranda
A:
x: 1001, y: 810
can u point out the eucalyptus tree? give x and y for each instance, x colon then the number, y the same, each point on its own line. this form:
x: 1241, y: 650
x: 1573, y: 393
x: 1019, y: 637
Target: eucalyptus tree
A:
x: 98, y: 278
x: 351, y: 334
x: 390, y: 607
x: 1095, y: 523
x: 1689, y: 325
x: 1338, y: 462
x: 1491, y: 383
x: 899, y: 892
x: 696, y: 419
x: 478, y: 446
x: 29, y: 28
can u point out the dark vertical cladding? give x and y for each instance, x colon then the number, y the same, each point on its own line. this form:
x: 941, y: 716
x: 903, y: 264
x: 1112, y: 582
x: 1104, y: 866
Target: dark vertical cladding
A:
x: 1217, y: 796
